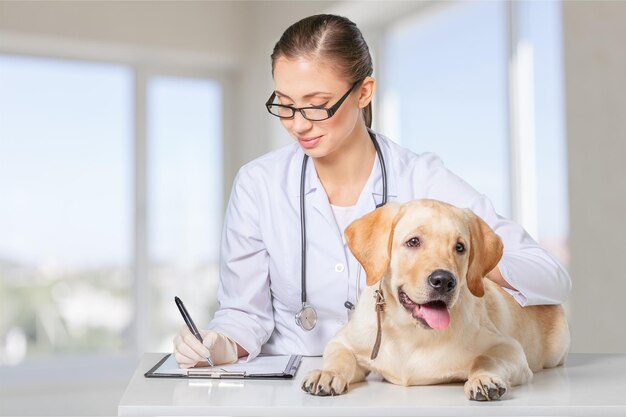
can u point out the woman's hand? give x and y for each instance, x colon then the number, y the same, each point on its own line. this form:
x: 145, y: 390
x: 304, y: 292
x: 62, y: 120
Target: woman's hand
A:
x: 189, y: 351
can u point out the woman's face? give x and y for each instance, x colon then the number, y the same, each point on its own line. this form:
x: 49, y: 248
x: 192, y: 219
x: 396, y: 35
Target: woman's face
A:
x: 302, y: 82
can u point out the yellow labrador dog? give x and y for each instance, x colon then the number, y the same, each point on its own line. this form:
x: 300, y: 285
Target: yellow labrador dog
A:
x: 428, y: 316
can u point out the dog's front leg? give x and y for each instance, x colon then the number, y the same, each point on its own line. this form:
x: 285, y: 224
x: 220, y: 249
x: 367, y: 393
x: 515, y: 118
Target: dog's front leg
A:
x: 492, y: 373
x: 340, y: 369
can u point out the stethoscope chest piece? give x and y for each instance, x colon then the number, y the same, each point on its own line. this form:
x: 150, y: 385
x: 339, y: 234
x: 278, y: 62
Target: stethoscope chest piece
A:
x: 306, y: 318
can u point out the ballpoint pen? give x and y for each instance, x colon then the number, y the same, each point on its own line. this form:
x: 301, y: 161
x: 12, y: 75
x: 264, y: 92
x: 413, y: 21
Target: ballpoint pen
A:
x: 191, y: 325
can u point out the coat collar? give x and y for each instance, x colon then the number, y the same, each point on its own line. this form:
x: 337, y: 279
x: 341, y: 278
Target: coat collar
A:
x: 374, y: 184
x: 315, y: 195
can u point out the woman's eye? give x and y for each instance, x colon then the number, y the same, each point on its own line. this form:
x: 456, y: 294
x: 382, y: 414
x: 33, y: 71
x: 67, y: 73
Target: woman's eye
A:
x: 460, y: 248
x: 414, y: 242
x: 319, y: 106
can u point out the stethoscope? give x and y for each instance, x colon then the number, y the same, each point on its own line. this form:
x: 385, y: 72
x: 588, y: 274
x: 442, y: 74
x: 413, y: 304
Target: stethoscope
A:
x: 306, y: 318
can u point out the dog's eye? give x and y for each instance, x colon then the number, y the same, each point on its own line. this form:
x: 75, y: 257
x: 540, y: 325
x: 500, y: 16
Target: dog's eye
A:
x: 460, y: 248
x: 414, y: 242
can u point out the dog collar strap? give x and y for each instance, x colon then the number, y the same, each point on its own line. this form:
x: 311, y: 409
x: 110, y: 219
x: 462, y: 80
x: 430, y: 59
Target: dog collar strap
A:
x: 380, y: 305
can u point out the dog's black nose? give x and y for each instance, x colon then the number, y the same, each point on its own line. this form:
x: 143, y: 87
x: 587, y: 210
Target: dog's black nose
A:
x: 442, y: 281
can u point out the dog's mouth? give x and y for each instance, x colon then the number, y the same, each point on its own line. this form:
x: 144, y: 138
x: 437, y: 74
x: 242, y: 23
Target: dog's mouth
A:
x: 433, y: 314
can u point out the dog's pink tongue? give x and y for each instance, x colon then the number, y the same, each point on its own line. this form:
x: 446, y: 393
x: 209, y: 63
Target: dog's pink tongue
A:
x: 436, y: 315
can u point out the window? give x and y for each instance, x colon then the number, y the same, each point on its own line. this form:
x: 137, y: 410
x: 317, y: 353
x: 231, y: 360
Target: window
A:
x: 549, y: 114
x: 70, y: 202
x: 446, y: 89
x: 184, y: 201
x: 65, y: 207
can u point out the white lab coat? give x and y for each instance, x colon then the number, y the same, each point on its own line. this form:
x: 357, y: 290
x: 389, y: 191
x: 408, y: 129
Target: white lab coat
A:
x: 259, y: 291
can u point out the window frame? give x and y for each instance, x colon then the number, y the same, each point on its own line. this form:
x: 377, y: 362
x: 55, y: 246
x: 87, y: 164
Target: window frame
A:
x: 144, y: 64
x: 523, y: 171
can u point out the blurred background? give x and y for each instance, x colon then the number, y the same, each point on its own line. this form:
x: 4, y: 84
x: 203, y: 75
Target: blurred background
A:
x: 123, y: 124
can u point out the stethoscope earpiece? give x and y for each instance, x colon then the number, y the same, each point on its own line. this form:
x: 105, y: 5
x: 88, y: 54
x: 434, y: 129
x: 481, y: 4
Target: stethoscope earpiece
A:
x: 306, y: 318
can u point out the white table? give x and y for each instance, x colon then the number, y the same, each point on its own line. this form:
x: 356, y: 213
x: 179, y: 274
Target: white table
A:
x: 589, y: 385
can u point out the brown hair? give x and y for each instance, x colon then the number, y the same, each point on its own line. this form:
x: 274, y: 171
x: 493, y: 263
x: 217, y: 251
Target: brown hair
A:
x: 334, y: 38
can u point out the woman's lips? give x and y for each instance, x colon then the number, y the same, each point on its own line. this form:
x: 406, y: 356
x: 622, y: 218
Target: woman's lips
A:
x: 309, y: 142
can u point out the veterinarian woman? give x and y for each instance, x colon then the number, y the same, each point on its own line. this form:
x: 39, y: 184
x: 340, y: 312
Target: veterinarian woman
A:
x: 323, y: 92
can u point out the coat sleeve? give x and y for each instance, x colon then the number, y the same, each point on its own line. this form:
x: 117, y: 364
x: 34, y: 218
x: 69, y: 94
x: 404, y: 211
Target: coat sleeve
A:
x: 245, y: 314
x: 536, y: 274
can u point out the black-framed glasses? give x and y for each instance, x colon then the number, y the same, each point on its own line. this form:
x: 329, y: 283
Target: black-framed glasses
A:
x: 314, y: 114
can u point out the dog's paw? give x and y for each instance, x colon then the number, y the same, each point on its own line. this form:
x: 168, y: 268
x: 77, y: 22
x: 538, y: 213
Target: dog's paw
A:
x: 324, y: 383
x: 485, y: 388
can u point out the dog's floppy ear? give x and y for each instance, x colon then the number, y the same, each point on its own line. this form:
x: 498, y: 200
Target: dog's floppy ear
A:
x: 369, y: 240
x: 485, y: 253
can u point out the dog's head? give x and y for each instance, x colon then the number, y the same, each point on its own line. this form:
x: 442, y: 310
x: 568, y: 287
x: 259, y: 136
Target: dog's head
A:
x: 429, y: 250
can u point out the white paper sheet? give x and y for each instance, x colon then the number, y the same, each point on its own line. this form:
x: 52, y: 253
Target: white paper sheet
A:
x: 259, y: 365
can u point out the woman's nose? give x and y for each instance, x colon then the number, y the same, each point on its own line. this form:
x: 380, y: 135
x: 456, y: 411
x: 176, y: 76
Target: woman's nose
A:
x: 300, y: 124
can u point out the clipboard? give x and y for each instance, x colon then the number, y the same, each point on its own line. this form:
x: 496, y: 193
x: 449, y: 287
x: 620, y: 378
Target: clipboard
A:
x: 261, y: 367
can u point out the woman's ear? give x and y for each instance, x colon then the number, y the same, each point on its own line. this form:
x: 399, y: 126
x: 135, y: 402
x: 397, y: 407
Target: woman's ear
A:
x: 368, y: 86
x: 369, y: 239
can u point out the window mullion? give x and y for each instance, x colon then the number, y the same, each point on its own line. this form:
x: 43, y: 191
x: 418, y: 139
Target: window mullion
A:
x: 140, y: 287
x: 521, y: 119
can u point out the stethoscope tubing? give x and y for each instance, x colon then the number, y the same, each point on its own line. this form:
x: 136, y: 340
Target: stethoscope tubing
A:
x: 383, y: 169
x: 303, y: 231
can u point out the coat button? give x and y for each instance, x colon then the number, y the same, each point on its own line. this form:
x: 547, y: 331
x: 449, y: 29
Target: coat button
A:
x: 339, y: 268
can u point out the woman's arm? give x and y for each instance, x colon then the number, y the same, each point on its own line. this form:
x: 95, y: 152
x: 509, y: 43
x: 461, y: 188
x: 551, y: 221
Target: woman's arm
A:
x: 245, y: 314
x: 529, y: 272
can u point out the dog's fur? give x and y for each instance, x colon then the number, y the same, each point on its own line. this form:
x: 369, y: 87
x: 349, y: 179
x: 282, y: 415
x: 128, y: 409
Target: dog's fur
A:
x: 491, y: 342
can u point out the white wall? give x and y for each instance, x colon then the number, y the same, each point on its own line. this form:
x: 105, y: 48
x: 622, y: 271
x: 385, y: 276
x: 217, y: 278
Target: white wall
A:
x: 595, y: 74
x: 208, y: 28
